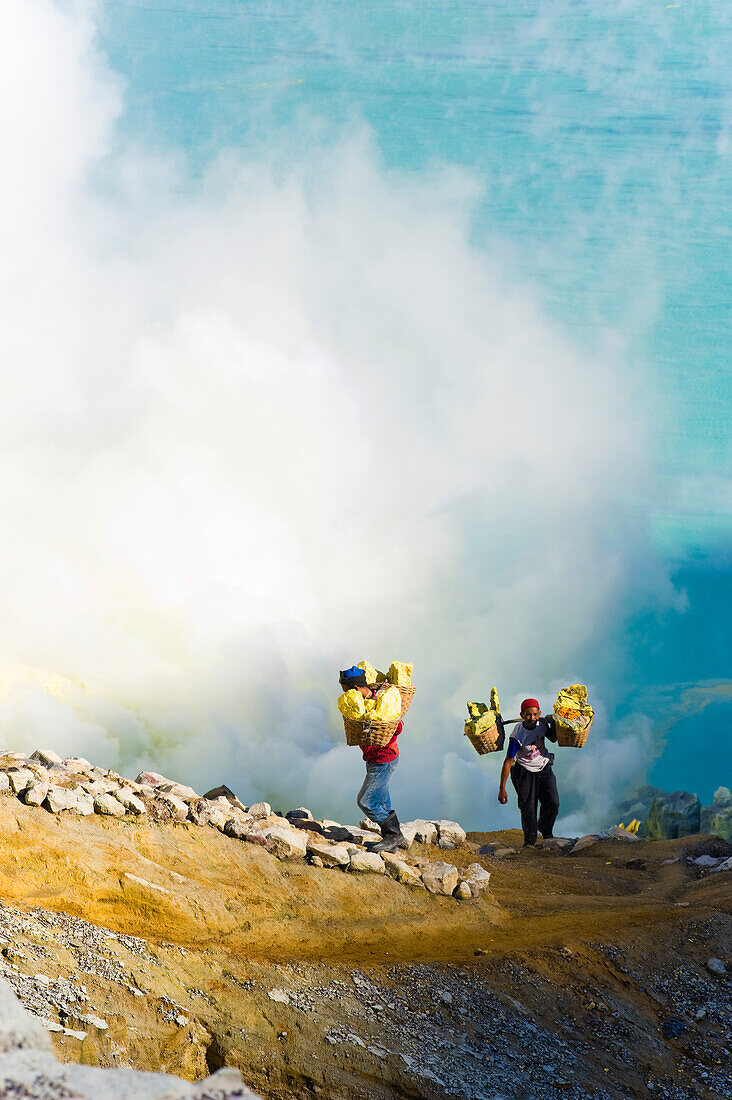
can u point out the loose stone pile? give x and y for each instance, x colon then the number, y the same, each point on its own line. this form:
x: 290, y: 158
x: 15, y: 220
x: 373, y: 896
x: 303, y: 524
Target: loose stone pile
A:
x: 76, y: 786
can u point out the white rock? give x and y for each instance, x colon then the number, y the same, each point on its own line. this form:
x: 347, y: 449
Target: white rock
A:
x: 152, y: 779
x: 440, y: 878
x: 369, y: 825
x: 419, y: 832
x: 107, y: 805
x: 178, y: 807
x: 76, y: 802
x: 449, y: 834
x: 130, y: 801
x: 361, y: 836
x: 218, y: 818
x: 332, y: 855
x: 462, y: 891
x: 397, y: 869
x: 179, y: 790
x: 367, y: 862
x: 279, y: 995
x: 477, y: 878
x: 260, y: 809
x: 316, y: 861
x: 285, y: 843
x: 725, y: 865
x: 77, y: 764
x: 34, y: 795
x: 4, y: 781
x: 45, y: 757
x: 20, y: 779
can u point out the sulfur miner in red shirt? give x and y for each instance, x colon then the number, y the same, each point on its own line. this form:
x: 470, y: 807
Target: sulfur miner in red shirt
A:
x: 373, y: 798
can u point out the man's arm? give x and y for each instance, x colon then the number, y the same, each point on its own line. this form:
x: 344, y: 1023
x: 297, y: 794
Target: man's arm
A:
x: 551, y: 727
x: 513, y: 748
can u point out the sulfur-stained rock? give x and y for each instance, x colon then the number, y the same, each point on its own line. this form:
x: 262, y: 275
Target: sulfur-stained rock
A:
x: 65, y: 798
x: 4, y: 782
x: 449, y: 834
x: 462, y: 892
x: 440, y: 878
x: 285, y: 843
x: 108, y: 806
x: 367, y: 862
x: 245, y: 828
x: 78, y: 764
x: 35, y: 793
x: 331, y: 855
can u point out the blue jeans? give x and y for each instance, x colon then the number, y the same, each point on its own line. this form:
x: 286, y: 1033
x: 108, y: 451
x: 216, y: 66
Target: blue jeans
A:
x: 373, y: 798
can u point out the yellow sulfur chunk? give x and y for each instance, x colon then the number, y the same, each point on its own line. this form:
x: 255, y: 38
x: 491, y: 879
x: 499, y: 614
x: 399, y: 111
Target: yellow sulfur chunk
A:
x: 475, y: 710
x: 481, y: 723
x: 369, y: 707
x: 495, y: 705
x: 388, y: 705
x: 351, y: 704
x: 370, y: 671
x: 400, y: 674
x: 572, y: 708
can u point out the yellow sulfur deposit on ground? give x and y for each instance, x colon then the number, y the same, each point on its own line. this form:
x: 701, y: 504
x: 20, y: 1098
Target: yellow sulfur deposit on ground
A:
x: 351, y: 704
x: 572, y: 708
x: 400, y: 674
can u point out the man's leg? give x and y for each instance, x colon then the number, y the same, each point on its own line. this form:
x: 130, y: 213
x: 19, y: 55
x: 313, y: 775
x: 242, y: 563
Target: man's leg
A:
x: 373, y: 798
x: 525, y: 786
x: 548, y: 800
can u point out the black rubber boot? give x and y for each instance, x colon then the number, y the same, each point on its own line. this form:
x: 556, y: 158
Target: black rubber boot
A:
x: 391, y: 835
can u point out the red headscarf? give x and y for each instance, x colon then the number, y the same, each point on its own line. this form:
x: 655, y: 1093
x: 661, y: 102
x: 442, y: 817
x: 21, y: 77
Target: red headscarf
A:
x: 530, y: 703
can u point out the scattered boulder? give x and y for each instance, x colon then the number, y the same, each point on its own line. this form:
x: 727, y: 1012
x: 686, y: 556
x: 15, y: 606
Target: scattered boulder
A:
x: 4, y: 781
x: 65, y: 798
x: 476, y: 878
x: 299, y: 814
x: 260, y: 809
x: 449, y: 834
x: 671, y: 816
x: 716, y: 966
x: 224, y: 792
x: 46, y: 757
x: 242, y: 828
x: 619, y: 833
x: 369, y: 825
x: 440, y: 878
x: 19, y: 779
x: 585, y: 842
x: 397, y: 869
x: 557, y: 843
x: 178, y: 790
x: 419, y: 832
x: 78, y: 764
x: 285, y: 843
x: 725, y: 865
x: 331, y: 855
x: 367, y: 862
x: 717, y: 818
x: 130, y: 801
x: 35, y: 793
x: 462, y: 892
x: 151, y: 779
x: 107, y: 805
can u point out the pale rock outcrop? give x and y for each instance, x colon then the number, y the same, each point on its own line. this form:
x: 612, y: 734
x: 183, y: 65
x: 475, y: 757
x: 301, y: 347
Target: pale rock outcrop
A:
x: 77, y: 764
x: 476, y: 878
x: 462, y: 892
x: 245, y: 829
x: 449, y: 834
x: 46, y: 757
x: 20, y: 779
x: 107, y: 805
x: 285, y: 843
x: 419, y: 832
x: 331, y: 855
x: 440, y: 878
x: 363, y: 836
x: 585, y: 842
x: 178, y: 790
x: 130, y: 801
x: 66, y: 798
x: 35, y: 793
x: 619, y: 833
x: 367, y: 863
x: 397, y: 869
x: 260, y: 809
x: 369, y: 825
x: 4, y: 781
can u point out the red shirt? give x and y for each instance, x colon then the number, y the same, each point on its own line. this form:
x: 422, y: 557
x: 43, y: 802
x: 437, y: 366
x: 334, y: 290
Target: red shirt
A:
x: 372, y: 754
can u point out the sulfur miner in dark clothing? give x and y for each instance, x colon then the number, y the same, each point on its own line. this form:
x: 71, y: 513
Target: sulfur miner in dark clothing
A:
x: 530, y: 766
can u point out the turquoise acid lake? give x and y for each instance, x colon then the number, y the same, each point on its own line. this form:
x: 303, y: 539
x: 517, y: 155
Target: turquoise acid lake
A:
x: 599, y: 136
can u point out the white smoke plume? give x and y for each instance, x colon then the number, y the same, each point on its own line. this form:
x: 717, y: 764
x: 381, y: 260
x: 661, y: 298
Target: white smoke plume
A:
x: 258, y: 426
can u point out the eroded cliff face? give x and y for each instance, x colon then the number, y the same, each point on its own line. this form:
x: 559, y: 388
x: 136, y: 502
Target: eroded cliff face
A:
x: 168, y: 946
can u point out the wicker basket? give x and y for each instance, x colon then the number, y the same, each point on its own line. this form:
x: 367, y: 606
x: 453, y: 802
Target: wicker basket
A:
x: 407, y: 694
x: 568, y: 738
x: 378, y: 734
x: 488, y: 741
